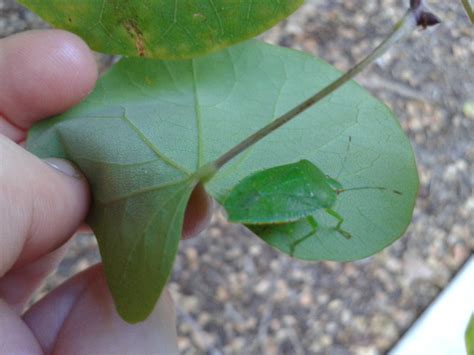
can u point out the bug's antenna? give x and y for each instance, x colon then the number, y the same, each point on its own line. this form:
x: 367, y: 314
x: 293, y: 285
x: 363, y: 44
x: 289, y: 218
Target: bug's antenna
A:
x: 340, y: 191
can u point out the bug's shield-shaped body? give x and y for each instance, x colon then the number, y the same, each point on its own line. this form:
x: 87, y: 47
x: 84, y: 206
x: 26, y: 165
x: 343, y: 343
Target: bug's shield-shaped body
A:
x: 280, y: 194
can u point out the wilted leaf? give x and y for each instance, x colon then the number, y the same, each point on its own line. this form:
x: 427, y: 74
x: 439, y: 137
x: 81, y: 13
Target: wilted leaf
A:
x: 168, y: 29
x: 151, y: 124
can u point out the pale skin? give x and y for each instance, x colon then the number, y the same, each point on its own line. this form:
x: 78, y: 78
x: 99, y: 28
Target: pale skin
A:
x: 43, y: 73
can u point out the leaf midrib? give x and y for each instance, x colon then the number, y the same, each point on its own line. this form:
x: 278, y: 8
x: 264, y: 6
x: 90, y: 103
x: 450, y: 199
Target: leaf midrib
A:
x: 198, y: 114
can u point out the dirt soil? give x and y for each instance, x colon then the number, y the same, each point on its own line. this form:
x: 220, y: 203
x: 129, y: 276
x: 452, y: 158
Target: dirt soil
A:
x: 235, y: 295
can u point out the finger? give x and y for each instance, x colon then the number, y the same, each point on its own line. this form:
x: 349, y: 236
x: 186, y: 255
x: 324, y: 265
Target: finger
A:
x: 198, y: 212
x: 80, y: 315
x: 17, y: 286
x: 42, y: 73
x: 41, y: 205
x: 46, y: 317
x: 15, y: 336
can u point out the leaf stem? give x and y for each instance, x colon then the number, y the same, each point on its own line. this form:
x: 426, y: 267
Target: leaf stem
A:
x: 469, y: 10
x: 403, y: 27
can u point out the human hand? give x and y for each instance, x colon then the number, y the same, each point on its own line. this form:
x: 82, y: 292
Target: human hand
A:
x: 43, y: 73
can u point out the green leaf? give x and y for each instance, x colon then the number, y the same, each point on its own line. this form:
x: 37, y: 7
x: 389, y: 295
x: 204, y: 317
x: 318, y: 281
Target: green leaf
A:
x: 138, y: 208
x: 164, y: 29
x: 470, y: 337
x: 281, y: 194
x: 149, y: 124
x: 139, y: 250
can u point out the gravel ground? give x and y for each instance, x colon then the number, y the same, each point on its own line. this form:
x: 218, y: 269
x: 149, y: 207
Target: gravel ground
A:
x: 235, y: 295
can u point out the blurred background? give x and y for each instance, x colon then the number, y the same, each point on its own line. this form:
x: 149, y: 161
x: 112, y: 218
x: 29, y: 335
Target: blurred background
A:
x: 235, y: 295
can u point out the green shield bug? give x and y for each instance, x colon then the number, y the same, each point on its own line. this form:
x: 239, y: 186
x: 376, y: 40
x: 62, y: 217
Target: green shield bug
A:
x: 286, y: 194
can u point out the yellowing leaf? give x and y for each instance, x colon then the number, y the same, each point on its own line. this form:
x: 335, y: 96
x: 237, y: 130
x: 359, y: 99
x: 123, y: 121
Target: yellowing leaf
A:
x: 168, y: 29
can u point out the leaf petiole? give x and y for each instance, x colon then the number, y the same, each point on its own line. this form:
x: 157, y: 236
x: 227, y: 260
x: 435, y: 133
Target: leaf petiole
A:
x: 405, y: 26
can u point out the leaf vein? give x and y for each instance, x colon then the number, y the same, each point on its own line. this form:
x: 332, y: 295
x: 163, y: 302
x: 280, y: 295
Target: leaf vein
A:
x: 134, y: 164
x: 135, y: 193
x: 150, y: 145
x: 142, y: 235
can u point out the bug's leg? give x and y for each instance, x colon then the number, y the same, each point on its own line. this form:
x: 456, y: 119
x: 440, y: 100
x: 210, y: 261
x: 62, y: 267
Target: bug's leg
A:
x: 314, y: 226
x: 340, y: 220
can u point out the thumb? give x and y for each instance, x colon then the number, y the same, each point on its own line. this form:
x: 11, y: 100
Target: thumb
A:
x: 42, y: 204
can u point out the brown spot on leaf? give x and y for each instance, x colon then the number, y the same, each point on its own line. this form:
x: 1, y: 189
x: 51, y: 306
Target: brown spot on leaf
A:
x: 136, y: 33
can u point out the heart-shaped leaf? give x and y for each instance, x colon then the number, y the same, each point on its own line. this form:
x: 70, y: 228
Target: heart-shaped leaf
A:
x: 150, y: 125
x: 168, y: 29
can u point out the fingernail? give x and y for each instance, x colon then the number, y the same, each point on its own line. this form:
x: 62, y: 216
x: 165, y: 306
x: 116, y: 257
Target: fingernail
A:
x: 64, y: 167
